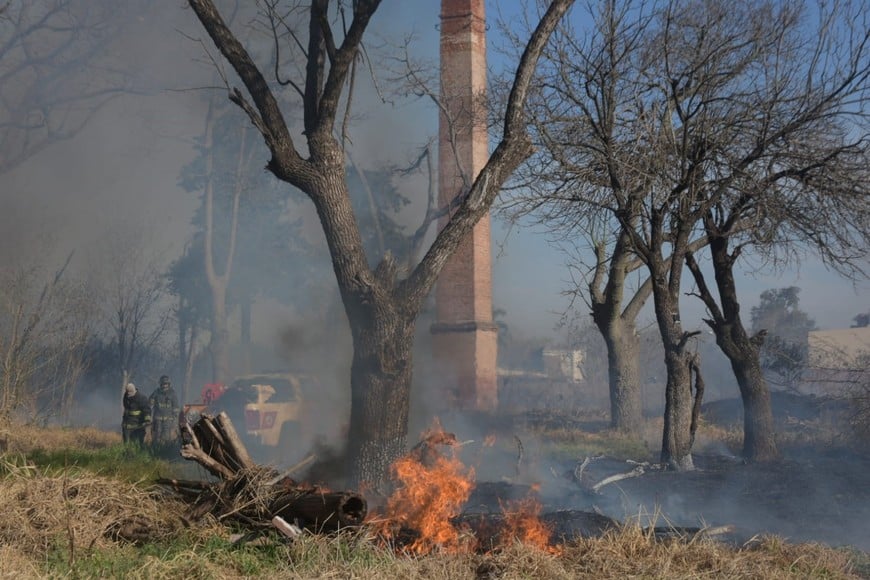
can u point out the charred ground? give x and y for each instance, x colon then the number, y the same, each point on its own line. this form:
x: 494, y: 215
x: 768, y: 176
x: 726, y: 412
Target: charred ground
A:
x: 817, y: 492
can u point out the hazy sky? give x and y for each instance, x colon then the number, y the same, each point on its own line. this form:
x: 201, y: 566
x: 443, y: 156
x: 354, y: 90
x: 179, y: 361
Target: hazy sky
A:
x: 124, y: 167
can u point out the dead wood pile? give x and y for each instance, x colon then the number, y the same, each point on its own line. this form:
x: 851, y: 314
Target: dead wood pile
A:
x: 250, y: 494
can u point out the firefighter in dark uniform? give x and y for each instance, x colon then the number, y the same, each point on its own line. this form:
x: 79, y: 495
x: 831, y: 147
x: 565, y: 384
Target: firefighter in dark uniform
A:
x: 164, y: 406
x: 137, y: 415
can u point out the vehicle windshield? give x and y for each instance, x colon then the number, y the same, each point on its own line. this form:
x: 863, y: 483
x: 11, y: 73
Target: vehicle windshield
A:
x: 284, y: 390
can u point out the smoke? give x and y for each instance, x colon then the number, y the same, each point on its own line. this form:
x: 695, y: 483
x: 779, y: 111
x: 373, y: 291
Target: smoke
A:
x: 124, y: 166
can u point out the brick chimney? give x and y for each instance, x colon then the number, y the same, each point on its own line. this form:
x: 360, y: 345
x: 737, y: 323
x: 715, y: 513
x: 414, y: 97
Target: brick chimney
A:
x: 464, y: 335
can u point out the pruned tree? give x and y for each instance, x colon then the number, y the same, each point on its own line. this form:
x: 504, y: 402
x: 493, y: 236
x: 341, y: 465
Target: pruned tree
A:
x: 381, y: 307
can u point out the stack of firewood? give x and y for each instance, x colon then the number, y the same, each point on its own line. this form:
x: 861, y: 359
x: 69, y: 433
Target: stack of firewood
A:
x: 255, y: 496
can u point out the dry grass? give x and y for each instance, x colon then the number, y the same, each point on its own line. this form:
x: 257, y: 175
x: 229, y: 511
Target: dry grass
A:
x: 64, y: 520
x: 59, y: 522
x: 631, y: 552
x: 17, y: 564
x: 75, y: 510
x: 28, y: 438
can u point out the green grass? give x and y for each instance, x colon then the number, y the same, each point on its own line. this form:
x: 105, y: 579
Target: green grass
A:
x: 195, y: 556
x: 119, y: 461
x: 564, y: 444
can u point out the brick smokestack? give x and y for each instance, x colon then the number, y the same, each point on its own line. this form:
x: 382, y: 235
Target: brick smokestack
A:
x: 464, y: 335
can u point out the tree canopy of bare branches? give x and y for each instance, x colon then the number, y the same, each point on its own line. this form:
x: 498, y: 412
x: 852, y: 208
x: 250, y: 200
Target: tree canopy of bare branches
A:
x: 45, y: 322
x: 56, y: 71
x: 678, y: 124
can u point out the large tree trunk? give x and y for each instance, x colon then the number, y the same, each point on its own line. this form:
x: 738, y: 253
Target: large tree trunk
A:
x: 759, y: 443
x: 618, y: 329
x: 626, y: 409
x: 380, y: 396
x: 382, y: 327
x: 677, y: 432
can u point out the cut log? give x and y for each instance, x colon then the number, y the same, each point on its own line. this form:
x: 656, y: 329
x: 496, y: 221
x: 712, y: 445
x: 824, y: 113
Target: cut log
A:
x: 213, y: 466
x: 233, y: 443
x: 319, y: 511
x: 288, y: 530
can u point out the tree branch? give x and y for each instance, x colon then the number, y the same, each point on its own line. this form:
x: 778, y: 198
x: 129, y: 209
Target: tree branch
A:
x: 286, y: 162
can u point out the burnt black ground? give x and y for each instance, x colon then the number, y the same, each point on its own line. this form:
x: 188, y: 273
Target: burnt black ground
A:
x: 812, y: 498
x: 814, y: 494
x: 823, y: 499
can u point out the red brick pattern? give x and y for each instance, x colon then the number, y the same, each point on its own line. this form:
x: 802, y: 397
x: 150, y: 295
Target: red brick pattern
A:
x: 465, y: 338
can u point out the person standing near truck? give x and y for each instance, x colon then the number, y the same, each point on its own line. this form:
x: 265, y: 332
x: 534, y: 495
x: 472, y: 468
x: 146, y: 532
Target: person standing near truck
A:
x: 137, y: 415
x: 164, y: 404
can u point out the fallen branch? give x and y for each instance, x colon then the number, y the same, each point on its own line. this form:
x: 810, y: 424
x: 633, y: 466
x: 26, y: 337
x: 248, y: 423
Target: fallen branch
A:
x: 636, y: 472
x: 288, y: 530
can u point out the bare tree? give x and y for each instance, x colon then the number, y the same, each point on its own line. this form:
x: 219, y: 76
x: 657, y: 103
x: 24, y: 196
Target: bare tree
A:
x: 56, y: 71
x: 791, y: 164
x: 381, y: 308
x: 718, y: 124
x: 133, y: 296
x: 218, y: 281
x: 585, y: 183
x: 45, y: 322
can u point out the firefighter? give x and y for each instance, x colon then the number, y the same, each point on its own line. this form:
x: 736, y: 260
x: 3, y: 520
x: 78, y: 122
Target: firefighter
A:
x: 164, y: 404
x: 137, y: 415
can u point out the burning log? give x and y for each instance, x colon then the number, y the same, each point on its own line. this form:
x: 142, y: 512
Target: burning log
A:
x: 253, y: 495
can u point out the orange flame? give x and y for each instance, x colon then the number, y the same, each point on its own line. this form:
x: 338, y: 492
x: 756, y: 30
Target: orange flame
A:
x: 431, y: 489
x: 427, y: 498
x: 522, y: 523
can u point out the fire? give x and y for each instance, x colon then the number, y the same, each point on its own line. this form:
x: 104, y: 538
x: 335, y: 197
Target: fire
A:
x: 522, y: 523
x: 428, y: 497
x: 431, y: 488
